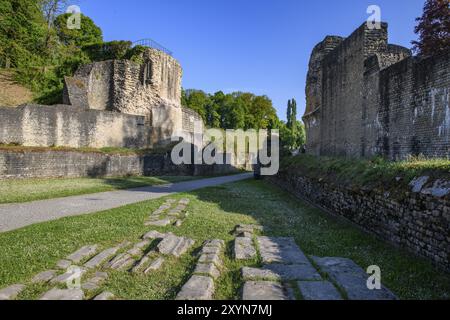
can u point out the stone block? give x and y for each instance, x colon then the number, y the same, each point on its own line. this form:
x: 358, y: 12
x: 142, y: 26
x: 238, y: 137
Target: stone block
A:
x: 11, y: 292
x: 263, y: 291
x: 197, y: 288
x: 63, y: 294
x: 318, y: 290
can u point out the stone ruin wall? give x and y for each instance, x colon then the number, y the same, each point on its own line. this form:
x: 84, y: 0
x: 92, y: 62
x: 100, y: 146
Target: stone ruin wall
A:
x: 115, y: 103
x: 367, y: 98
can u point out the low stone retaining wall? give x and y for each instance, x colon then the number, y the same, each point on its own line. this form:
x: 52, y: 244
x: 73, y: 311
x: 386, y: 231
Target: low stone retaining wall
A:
x: 71, y: 164
x: 419, y: 221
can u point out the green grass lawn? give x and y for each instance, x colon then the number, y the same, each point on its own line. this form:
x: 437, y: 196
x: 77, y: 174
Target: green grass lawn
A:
x: 24, y: 190
x: 213, y: 213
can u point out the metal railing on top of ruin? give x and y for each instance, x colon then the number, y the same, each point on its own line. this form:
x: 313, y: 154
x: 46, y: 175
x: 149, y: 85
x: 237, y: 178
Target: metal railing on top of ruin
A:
x: 152, y: 44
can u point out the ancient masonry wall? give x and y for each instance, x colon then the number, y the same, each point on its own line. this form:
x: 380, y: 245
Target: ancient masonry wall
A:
x: 366, y: 97
x: 45, y: 126
x: 72, y: 164
x: 420, y: 222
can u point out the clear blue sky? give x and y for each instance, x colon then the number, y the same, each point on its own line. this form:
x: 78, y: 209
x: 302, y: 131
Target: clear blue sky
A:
x: 261, y: 46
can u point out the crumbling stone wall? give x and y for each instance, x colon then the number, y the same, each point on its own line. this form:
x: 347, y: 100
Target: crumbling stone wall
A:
x: 418, y: 221
x: 62, y: 125
x: 366, y: 97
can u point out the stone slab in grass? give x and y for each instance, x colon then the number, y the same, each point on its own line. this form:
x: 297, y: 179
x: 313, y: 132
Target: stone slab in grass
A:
x: 153, y: 234
x: 173, y: 245
x: 280, y: 250
x: 69, y: 276
x: 352, y: 279
x: 44, y: 277
x: 95, y: 282
x: 210, y: 258
x: 263, y: 290
x: 244, y: 249
x: 121, y: 262
x: 184, y: 201
x: 255, y: 274
x: 294, y: 271
x: 83, y: 253
x: 159, y: 223
x: 11, y: 292
x: 178, y: 223
x: 104, y: 256
x: 197, y: 288
x: 214, y: 243
x: 211, y: 250
x: 155, y: 265
x: 208, y: 269
x: 63, y: 264
x: 318, y: 290
x: 141, y: 264
x: 104, y: 296
x: 63, y: 294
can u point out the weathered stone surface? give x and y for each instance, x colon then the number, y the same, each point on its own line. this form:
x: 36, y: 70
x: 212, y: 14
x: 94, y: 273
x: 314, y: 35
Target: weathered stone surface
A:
x: 209, y: 269
x: 135, y: 252
x: 159, y: 223
x: 318, y: 290
x: 104, y: 256
x: 141, y: 264
x: 294, y: 271
x: 244, y: 234
x: 211, y: 250
x: 197, y: 288
x: 244, y: 249
x: 45, y: 276
x: 121, y: 262
x: 155, y: 265
x: 63, y: 294
x: 174, y: 213
x: 418, y: 183
x: 184, y: 201
x: 95, y: 282
x: 210, y: 258
x: 153, y: 234
x: 63, y: 264
x: 105, y: 296
x: 214, y: 243
x: 83, y: 253
x: 180, y: 207
x: 11, y: 292
x: 263, y: 290
x: 352, y: 278
x: 174, y: 245
x: 69, y: 276
x: 440, y: 189
x: 280, y: 250
x: 257, y: 274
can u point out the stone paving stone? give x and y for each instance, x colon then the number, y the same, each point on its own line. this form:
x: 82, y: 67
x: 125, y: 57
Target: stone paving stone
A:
x: 244, y: 249
x: 63, y: 294
x: 83, y: 253
x: 209, y: 269
x: 11, y: 292
x: 214, y: 243
x: 184, y: 201
x: 211, y: 250
x: 104, y: 256
x: 153, y: 234
x: 105, y: 296
x: 174, y: 245
x: 263, y: 290
x: 69, y: 275
x: 294, y: 271
x: 255, y: 274
x: 210, y: 258
x: 141, y: 264
x: 159, y: 223
x: 120, y: 262
x: 135, y: 252
x: 244, y: 234
x: 197, y: 288
x: 352, y: 278
x: 174, y: 213
x: 318, y: 290
x: 280, y: 250
x: 44, y: 277
x: 155, y: 265
x: 95, y: 282
x: 63, y: 264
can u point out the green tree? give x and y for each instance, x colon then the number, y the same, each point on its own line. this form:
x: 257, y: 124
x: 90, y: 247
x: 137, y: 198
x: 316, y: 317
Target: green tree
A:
x: 89, y: 33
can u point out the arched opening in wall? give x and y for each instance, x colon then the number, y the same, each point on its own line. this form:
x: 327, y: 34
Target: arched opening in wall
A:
x: 148, y: 73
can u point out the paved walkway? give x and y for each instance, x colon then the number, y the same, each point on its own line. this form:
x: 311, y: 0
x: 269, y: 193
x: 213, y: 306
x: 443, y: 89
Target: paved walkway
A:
x: 15, y: 216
